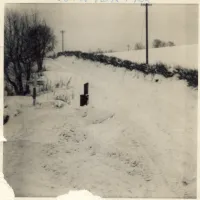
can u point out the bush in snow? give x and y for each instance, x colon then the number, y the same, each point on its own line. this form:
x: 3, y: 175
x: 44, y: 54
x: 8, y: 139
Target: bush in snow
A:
x: 63, y: 84
x: 47, y: 87
x: 58, y: 104
x: 190, y: 75
x: 64, y: 95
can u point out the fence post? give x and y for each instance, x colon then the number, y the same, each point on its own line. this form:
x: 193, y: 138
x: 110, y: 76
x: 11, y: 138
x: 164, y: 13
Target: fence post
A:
x: 86, y: 88
x: 34, y: 89
x: 84, y: 98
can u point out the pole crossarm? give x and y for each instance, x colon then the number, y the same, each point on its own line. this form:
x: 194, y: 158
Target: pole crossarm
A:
x: 144, y: 4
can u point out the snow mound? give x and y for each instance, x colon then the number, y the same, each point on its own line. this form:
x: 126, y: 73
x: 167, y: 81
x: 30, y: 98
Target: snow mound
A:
x: 64, y: 95
x: 58, y: 104
x: 13, y: 105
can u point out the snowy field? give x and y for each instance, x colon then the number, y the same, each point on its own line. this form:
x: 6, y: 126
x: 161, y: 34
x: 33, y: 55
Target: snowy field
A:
x: 137, y: 137
x: 185, y: 56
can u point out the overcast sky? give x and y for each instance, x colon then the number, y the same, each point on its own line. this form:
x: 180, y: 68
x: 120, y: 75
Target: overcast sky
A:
x: 114, y: 26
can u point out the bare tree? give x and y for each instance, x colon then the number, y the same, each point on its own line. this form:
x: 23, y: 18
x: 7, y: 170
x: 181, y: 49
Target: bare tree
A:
x: 99, y: 51
x: 20, y: 52
x: 170, y: 44
x: 42, y: 42
x: 139, y: 46
x: 110, y: 51
x: 17, y: 63
x: 157, y: 43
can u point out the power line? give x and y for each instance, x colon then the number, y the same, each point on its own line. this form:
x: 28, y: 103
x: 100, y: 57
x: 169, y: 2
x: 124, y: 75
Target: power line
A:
x: 143, y: 20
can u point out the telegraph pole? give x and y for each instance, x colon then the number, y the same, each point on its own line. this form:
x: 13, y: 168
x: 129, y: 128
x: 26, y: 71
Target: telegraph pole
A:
x: 62, y: 32
x: 147, y: 35
x: 147, y: 39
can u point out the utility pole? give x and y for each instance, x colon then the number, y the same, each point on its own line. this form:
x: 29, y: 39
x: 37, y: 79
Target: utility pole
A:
x: 62, y: 32
x: 147, y: 31
x: 147, y: 39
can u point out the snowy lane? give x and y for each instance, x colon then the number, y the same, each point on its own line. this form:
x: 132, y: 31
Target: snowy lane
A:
x: 118, y: 146
x: 79, y: 152
x: 164, y: 114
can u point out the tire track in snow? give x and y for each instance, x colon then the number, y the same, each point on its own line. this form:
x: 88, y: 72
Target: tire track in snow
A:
x: 156, y: 170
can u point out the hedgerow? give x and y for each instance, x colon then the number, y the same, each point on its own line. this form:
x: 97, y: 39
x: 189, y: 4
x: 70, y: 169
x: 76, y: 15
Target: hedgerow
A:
x: 189, y: 75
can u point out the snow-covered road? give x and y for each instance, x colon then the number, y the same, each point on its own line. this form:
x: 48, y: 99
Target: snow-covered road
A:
x: 137, y: 137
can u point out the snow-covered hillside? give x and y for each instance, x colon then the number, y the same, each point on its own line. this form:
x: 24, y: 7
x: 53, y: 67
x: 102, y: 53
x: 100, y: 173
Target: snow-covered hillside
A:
x: 137, y: 137
x: 185, y: 55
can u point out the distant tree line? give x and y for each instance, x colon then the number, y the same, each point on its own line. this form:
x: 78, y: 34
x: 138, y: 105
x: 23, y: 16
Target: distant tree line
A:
x: 27, y: 40
x: 157, y: 43
x: 100, y: 51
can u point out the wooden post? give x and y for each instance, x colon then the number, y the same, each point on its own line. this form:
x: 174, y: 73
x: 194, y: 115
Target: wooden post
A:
x: 84, y: 98
x: 34, y: 89
x: 86, y: 88
x: 86, y: 93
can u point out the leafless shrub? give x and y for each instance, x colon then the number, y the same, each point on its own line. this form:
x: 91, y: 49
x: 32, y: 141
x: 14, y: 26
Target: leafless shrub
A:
x: 27, y: 40
x: 139, y: 46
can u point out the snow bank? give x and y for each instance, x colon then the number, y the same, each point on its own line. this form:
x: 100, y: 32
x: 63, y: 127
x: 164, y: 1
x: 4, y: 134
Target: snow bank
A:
x: 13, y: 105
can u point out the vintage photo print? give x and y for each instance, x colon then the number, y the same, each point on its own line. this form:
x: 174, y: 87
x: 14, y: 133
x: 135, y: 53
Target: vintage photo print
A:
x: 101, y: 97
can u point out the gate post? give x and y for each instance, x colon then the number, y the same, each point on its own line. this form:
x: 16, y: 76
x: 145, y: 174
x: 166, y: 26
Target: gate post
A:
x: 84, y: 98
